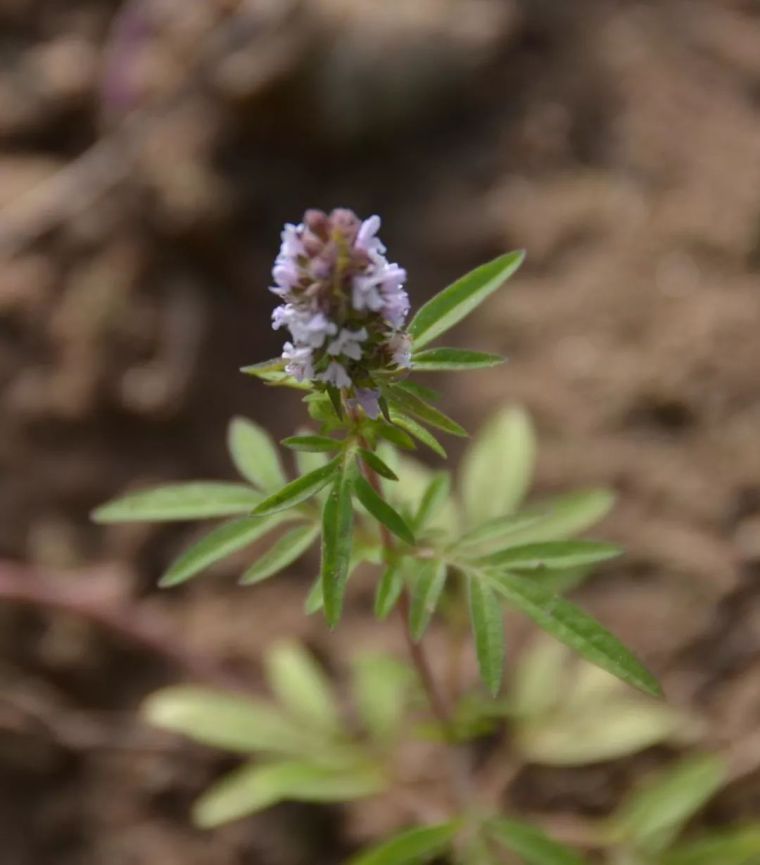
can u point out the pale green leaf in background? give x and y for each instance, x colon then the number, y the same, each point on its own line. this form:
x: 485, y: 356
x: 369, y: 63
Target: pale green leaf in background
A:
x: 413, y: 847
x: 254, y: 454
x: 195, y: 500
x: 301, y: 685
x: 253, y: 788
x: 282, y: 553
x: 380, y: 686
x: 435, y: 495
x: 500, y: 461
x: 217, y: 544
x: 457, y: 300
x: 389, y: 588
x: 428, y: 581
x: 227, y: 721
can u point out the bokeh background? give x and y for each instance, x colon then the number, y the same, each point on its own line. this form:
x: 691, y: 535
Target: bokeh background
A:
x: 150, y: 151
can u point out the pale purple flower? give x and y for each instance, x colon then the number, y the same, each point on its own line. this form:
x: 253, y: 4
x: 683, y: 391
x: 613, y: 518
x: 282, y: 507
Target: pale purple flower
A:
x: 348, y: 342
x: 335, y: 374
x: 299, y: 362
x: 368, y: 399
x: 343, y: 302
x: 366, y: 238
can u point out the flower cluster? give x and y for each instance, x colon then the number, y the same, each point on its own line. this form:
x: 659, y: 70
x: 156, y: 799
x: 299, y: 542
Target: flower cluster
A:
x: 343, y: 303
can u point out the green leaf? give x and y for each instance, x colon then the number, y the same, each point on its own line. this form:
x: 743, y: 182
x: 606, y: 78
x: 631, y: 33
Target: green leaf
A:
x: 381, y: 686
x: 217, y: 544
x: 265, y: 368
x: 563, y: 516
x: 574, y: 628
x: 377, y: 465
x: 381, y: 510
x: 299, y: 490
x: 393, y: 434
x: 652, y: 817
x: 226, y: 721
x: 389, y: 589
x: 337, y: 524
x: 530, y: 843
x: 409, y: 425
x: 314, y: 600
x: 552, y: 555
x: 196, y: 500
x: 488, y: 627
x: 311, y: 443
x: 254, y: 454
x: 253, y: 788
x: 410, y: 403
x: 427, y: 587
x: 551, y: 520
x: 435, y: 495
x: 451, y: 305
x: 727, y: 847
x: 439, y: 359
x: 413, y: 847
x: 501, y: 460
x: 302, y: 686
x: 591, y: 717
x: 283, y: 552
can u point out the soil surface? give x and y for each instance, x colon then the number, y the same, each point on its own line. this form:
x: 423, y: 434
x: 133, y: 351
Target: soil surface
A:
x: 149, y: 153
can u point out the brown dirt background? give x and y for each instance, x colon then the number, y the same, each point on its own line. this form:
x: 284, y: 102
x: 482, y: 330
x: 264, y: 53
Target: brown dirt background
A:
x: 147, y: 162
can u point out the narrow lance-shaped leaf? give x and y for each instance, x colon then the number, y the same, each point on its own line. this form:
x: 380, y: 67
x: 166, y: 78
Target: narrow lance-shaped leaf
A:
x: 427, y: 587
x: 253, y: 788
x: 410, y: 426
x: 501, y: 460
x: 413, y: 847
x: 410, y: 403
x: 227, y: 721
x: 311, y: 443
x: 302, y: 686
x: 381, y: 510
x: 196, y: 500
x: 451, y: 305
x: 653, y: 815
x: 391, y: 432
x: 530, y: 843
x: 315, y: 599
x: 488, y: 627
x: 552, y: 555
x: 433, y: 498
x: 380, y: 688
x: 254, y: 454
x: 337, y: 523
x: 299, y: 490
x: 283, y: 552
x: 572, y: 626
x: 217, y: 544
x: 739, y: 846
x: 441, y: 359
x: 376, y: 464
x: 389, y: 589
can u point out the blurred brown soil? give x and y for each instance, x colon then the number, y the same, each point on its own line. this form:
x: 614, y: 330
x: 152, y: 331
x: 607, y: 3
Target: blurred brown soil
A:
x: 619, y: 142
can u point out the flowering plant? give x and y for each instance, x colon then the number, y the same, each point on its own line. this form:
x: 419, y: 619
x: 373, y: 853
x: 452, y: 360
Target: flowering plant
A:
x: 351, y: 353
